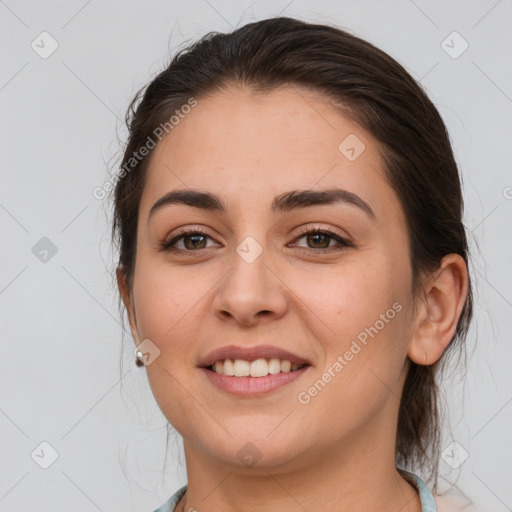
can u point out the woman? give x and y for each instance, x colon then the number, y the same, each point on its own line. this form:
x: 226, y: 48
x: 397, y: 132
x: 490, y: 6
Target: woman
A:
x: 294, y: 267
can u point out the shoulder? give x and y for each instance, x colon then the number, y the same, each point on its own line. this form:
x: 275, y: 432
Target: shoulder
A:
x: 171, y: 503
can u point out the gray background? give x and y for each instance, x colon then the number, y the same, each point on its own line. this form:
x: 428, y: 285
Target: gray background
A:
x: 61, y: 339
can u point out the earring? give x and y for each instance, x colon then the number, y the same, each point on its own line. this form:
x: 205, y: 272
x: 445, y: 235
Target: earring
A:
x: 139, y: 361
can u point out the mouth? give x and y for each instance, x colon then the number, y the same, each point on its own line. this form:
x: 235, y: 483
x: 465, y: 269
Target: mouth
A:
x: 247, y: 386
x: 257, y: 368
x: 247, y: 371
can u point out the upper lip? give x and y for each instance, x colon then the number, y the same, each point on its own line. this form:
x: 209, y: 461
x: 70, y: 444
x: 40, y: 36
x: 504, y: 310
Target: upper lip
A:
x: 251, y: 354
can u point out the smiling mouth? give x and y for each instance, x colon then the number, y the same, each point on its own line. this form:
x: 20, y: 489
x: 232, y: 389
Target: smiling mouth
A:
x: 257, y: 368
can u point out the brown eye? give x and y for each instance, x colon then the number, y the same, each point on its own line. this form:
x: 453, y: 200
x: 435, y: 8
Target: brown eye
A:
x: 319, y: 240
x: 193, y: 240
x: 196, y: 241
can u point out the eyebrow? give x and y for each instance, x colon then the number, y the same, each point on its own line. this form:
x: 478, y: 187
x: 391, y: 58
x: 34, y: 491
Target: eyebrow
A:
x: 281, y: 204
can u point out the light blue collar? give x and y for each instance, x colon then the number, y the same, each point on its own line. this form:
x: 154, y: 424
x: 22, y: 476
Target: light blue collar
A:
x: 427, y: 499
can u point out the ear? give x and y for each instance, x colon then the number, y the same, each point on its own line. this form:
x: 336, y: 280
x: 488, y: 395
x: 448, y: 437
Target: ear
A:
x: 438, y: 311
x: 127, y: 297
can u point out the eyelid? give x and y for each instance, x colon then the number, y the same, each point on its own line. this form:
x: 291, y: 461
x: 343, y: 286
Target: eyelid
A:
x: 315, y: 227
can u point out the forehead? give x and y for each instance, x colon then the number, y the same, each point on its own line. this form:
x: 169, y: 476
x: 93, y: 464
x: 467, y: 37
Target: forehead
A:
x: 253, y: 147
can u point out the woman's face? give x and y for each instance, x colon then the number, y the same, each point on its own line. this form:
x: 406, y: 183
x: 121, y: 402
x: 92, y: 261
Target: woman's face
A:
x: 256, y: 279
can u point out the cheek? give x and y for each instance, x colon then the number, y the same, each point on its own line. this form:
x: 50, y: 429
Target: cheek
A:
x: 345, y: 298
x: 357, y: 313
x: 165, y: 299
x: 168, y: 304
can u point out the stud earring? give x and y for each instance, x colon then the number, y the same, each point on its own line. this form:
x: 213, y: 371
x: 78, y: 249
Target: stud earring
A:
x: 139, y: 361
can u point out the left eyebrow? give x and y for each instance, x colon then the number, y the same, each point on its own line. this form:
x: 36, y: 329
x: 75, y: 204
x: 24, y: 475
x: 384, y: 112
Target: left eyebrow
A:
x: 303, y: 198
x: 282, y: 203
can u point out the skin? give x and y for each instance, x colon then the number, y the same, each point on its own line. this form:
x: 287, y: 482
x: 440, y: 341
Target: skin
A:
x: 338, y: 451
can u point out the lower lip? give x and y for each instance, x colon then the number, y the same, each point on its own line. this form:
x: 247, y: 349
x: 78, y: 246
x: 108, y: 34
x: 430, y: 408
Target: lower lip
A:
x: 251, y: 386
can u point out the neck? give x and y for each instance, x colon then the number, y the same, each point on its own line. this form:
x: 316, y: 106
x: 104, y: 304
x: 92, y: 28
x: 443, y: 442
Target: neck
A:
x: 357, y: 475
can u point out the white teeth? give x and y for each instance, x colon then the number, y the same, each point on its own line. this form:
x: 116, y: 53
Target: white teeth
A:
x: 257, y: 368
x: 229, y: 368
x: 242, y: 368
x: 286, y: 366
x: 274, y: 366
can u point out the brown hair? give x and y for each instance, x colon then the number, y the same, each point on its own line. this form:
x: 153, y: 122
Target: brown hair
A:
x: 373, y: 90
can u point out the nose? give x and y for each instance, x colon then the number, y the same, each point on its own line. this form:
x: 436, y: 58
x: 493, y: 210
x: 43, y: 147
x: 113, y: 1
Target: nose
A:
x: 251, y: 292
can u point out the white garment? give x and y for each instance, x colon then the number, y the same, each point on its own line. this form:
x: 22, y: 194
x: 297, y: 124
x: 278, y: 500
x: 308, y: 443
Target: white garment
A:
x: 453, y: 502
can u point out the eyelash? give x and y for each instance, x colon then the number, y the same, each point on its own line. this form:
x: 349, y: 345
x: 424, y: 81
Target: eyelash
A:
x: 306, y: 230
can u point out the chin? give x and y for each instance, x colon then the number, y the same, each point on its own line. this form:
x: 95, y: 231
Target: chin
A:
x: 252, y: 450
